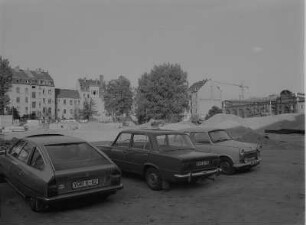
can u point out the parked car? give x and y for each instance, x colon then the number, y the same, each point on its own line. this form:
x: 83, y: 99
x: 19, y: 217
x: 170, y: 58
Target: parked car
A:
x: 160, y: 156
x: 233, y: 154
x: 49, y: 168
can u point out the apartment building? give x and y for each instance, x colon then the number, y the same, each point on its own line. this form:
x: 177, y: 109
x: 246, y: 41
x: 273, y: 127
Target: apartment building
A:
x: 32, y: 93
x: 67, y: 104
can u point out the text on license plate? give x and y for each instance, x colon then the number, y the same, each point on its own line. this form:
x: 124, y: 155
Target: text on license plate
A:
x: 85, y: 183
x: 202, y: 163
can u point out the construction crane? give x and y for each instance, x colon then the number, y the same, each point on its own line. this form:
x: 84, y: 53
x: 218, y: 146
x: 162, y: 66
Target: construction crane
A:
x: 241, y: 86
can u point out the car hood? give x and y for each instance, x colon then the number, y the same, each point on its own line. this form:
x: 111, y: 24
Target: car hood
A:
x: 187, y: 155
x: 237, y: 144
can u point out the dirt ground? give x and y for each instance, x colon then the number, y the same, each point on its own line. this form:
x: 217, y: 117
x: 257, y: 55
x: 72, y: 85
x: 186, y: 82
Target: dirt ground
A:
x: 273, y: 193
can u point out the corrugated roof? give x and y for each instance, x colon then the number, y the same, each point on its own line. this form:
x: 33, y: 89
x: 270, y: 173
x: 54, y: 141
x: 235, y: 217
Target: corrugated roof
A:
x: 66, y: 93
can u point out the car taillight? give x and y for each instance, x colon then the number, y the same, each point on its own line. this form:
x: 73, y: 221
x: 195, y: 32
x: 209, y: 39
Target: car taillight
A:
x: 115, y: 177
x: 52, y: 188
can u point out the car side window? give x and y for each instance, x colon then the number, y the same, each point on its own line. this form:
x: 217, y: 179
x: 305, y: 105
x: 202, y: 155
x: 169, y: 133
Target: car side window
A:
x: 141, y: 141
x: 201, y: 138
x: 16, y: 149
x: 37, y: 160
x: 123, y: 140
x: 25, y: 153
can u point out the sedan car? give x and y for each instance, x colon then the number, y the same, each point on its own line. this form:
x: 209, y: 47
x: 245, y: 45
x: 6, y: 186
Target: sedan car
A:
x: 48, y: 168
x: 233, y: 154
x: 161, y: 156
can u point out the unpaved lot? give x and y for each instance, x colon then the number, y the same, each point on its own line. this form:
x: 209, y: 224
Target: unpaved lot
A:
x: 273, y: 193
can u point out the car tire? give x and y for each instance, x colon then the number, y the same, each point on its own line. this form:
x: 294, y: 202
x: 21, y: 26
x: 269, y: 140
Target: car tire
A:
x: 36, y: 204
x: 227, y: 166
x: 153, y: 179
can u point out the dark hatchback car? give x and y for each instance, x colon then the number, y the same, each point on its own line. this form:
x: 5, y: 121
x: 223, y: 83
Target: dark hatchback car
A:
x: 50, y: 168
x: 161, y: 157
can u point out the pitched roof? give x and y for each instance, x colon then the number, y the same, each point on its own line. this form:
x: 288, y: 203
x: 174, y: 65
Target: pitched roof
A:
x: 31, y: 74
x: 66, y: 93
x: 197, y: 85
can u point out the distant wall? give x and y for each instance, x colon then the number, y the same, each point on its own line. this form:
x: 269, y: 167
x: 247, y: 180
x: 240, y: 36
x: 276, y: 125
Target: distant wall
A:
x: 6, y: 120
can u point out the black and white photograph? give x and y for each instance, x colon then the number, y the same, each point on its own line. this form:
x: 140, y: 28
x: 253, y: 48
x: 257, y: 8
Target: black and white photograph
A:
x: 152, y: 112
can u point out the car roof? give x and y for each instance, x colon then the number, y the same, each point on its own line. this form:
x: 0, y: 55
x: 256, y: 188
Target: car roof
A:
x: 49, y: 139
x: 200, y: 129
x: 151, y: 131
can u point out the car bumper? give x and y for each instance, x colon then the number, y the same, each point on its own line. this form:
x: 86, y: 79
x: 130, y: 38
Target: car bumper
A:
x: 81, y: 194
x: 190, y: 175
x: 248, y: 164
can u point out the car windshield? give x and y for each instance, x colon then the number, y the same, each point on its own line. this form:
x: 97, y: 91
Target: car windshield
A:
x: 219, y: 136
x: 74, y: 155
x: 172, y: 142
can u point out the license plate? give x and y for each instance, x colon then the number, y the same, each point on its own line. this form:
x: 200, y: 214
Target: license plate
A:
x: 85, y: 183
x: 202, y: 163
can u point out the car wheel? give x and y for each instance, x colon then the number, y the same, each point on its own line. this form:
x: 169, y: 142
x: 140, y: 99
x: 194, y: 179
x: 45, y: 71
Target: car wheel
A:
x: 36, y: 204
x: 227, y: 167
x: 153, y: 179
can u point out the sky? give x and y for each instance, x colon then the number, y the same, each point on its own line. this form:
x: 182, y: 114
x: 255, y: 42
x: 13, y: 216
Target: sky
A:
x: 258, y: 43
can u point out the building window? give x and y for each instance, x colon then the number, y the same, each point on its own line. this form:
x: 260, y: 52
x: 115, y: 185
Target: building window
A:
x: 44, y: 100
x: 33, y: 87
x: 64, y: 101
x: 49, y: 92
x: 70, y: 102
x: 64, y: 111
x: 26, y: 90
x: 26, y: 110
x: 33, y: 105
x: 71, y: 111
x: 18, y: 100
x: 49, y: 101
x: 49, y: 110
x: 43, y: 91
x: 33, y: 94
x: 18, y: 90
x: 26, y: 99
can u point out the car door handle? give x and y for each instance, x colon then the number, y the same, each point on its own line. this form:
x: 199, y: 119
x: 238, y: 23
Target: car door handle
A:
x: 20, y: 173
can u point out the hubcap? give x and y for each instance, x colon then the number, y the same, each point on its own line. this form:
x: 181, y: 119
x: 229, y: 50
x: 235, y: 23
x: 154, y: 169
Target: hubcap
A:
x: 152, y: 179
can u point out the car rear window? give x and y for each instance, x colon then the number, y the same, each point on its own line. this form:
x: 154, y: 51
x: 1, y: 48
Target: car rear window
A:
x: 74, y: 155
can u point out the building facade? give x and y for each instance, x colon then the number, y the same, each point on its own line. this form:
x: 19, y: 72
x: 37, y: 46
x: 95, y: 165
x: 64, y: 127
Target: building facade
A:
x: 67, y: 104
x: 32, y: 93
x: 93, y: 89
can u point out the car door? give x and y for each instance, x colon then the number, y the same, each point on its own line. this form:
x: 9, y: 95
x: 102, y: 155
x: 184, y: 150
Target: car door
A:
x: 138, y: 153
x: 34, y: 172
x: 119, y: 149
x: 10, y: 162
x: 202, y: 141
x: 18, y: 171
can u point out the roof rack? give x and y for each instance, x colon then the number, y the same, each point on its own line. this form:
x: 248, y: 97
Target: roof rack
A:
x: 44, y: 135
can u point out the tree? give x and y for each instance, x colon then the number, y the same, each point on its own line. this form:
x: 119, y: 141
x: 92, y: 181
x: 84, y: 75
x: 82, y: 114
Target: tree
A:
x: 213, y: 111
x: 89, y: 109
x: 162, y: 93
x: 5, y: 83
x: 118, y: 97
